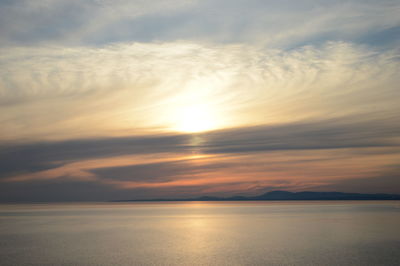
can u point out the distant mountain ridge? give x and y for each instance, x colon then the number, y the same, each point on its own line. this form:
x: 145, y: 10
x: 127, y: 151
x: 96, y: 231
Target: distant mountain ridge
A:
x: 287, y: 195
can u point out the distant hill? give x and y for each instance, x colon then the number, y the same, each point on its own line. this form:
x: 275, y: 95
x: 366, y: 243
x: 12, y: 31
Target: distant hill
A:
x: 286, y: 195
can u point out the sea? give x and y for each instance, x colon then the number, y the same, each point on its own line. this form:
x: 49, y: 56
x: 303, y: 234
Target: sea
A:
x: 201, y: 233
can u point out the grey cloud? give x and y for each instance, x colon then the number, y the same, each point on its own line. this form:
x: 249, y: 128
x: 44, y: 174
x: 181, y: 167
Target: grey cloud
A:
x: 328, y: 134
x: 15, y: 159
x: 71, y: 21
x: 59, y: 190
x: 345, y: 133
x: 24, y: 22
x: 66, y: 190
x: 285, y: 23
x: 350, y: 134
x: 385, y: 181
x: 157, y: 172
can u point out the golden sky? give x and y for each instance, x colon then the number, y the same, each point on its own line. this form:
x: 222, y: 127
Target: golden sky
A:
x: 131, y: 99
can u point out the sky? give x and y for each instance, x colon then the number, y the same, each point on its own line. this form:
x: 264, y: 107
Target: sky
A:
x: 108, y: 100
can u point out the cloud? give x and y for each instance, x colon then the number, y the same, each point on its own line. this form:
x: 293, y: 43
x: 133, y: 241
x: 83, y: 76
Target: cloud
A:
x: 25, y: 158
x: 272, y: 23
x: 387, y: 180
x: 293, y: 156
x: 56, y: 190
x: 59, y: 190
x: 246, y: 174
x: 345, y: 133
x: 158, y: 172
x: 75, y: 21
x: 131, y: 89
x: 99, y: 95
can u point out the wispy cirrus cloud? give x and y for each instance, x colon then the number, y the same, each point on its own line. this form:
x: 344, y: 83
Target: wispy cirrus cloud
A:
x: 133, y: 88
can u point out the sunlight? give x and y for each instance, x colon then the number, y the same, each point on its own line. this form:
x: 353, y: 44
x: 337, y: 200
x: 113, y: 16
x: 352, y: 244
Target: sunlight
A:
x: 196, y: 118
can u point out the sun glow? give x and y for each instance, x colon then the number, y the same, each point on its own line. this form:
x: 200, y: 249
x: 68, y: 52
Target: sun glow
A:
x: 199, y: 106
x: 196, y: 118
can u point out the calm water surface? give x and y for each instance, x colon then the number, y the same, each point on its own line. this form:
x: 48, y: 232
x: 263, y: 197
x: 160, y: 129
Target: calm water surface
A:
x: 201, y: 233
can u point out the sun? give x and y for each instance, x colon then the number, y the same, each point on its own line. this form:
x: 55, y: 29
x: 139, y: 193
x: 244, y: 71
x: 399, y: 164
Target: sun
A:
x: 196, y: 118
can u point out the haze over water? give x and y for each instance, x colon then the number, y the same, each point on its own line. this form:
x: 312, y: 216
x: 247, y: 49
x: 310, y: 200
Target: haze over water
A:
x: 201, y: 233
